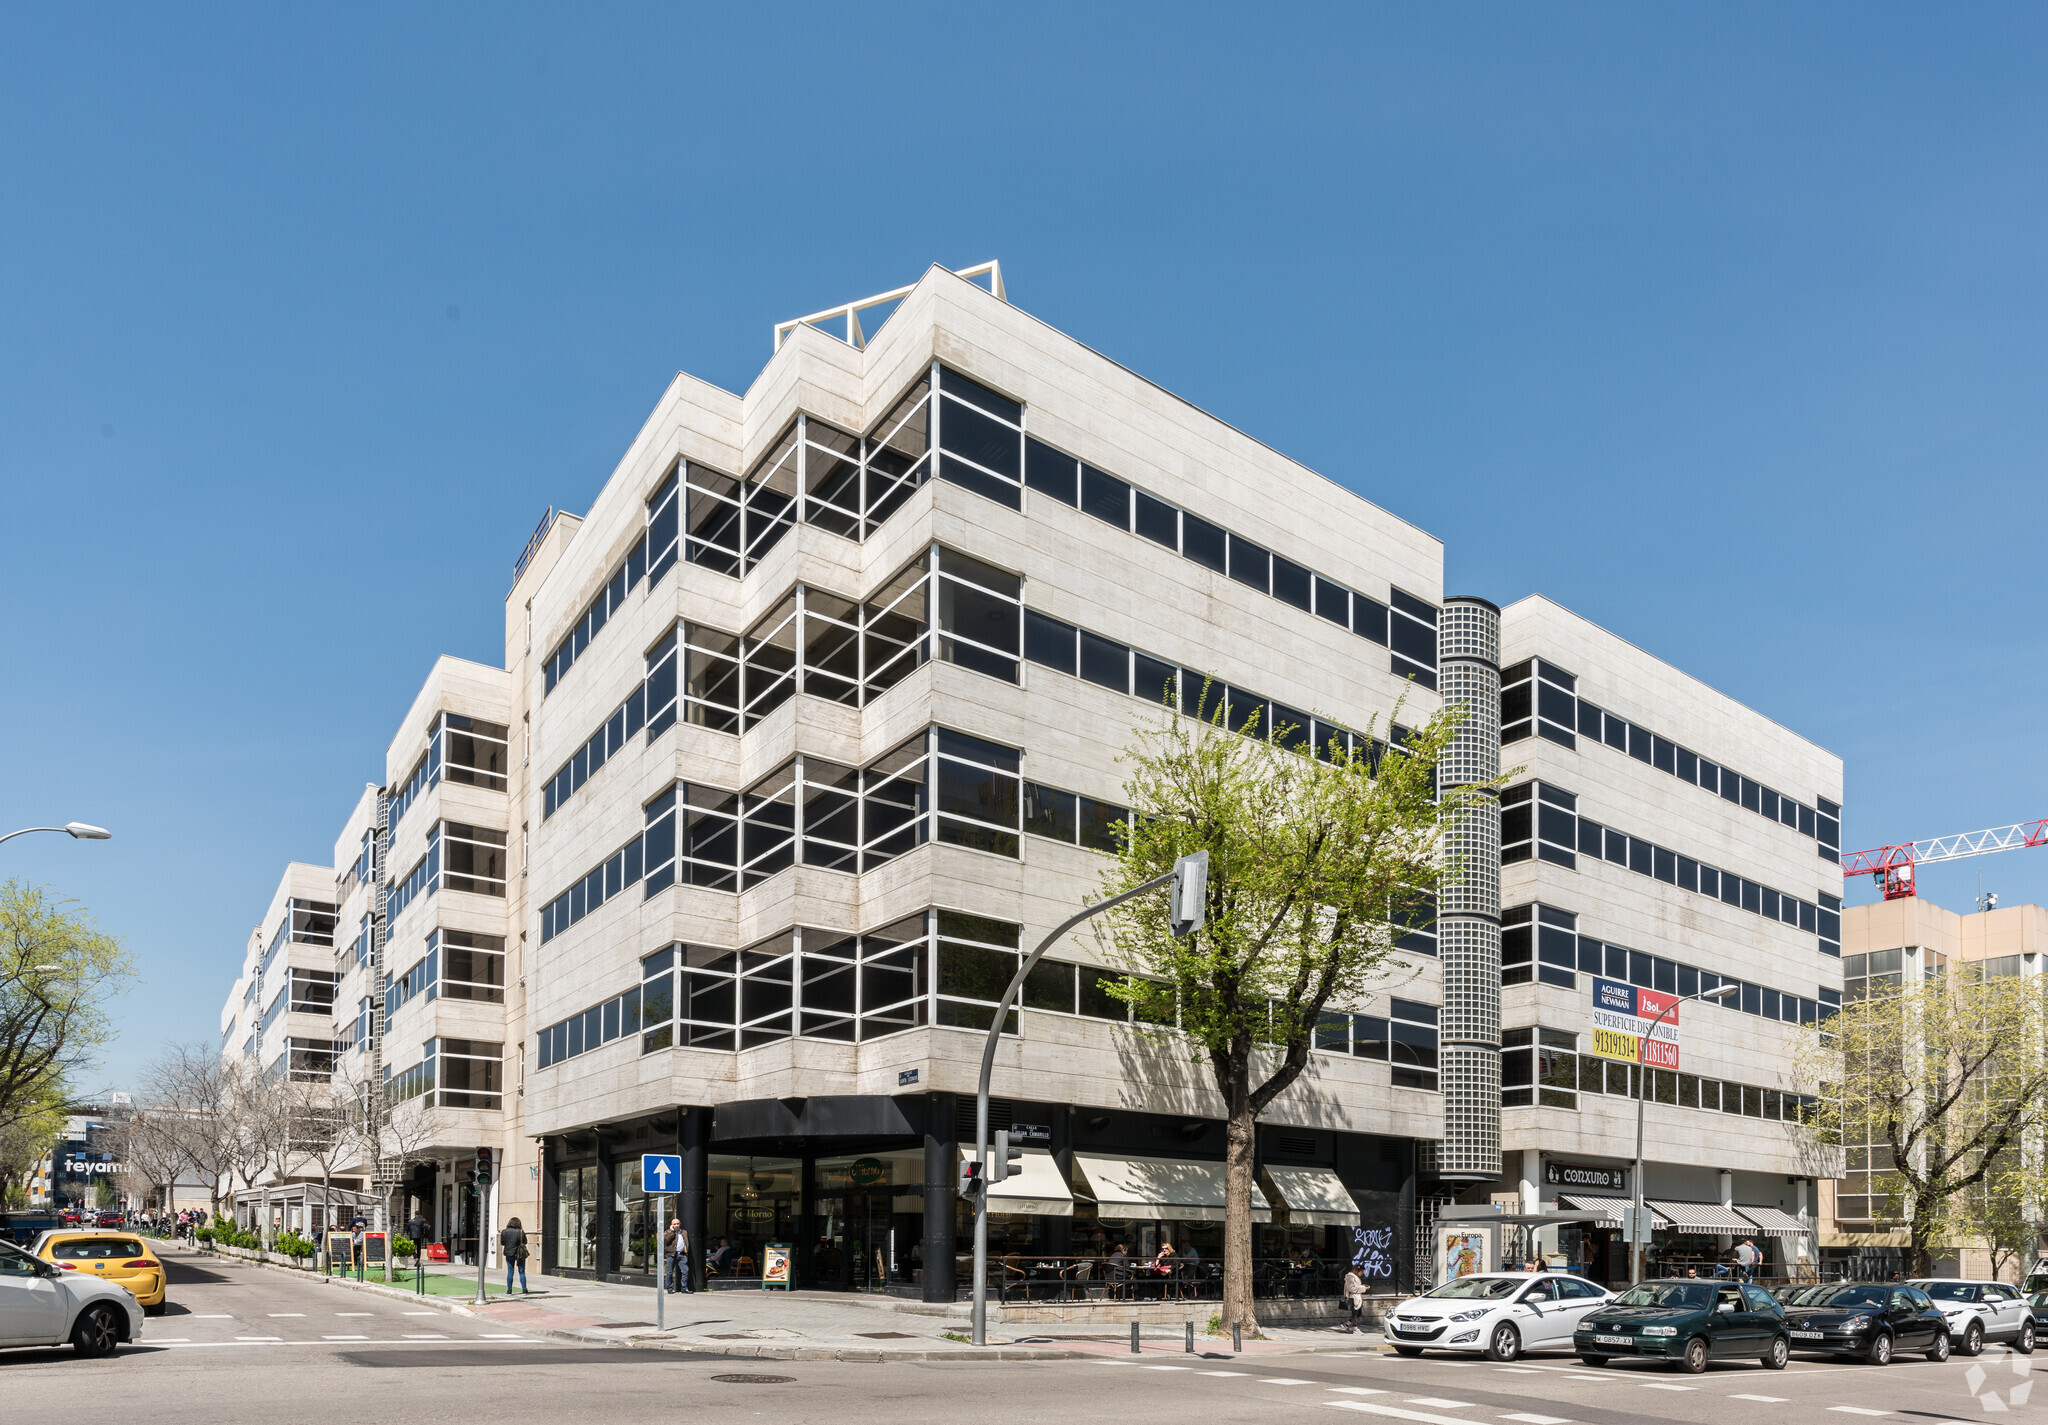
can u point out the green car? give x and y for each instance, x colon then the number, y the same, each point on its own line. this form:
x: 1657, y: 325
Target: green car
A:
x: 1686, y: 1323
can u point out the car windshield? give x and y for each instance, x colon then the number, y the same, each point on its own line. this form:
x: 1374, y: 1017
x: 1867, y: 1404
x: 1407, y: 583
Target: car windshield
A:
x: 1690, y: 1295
x: 95, y: 1249
x: 1950, y: 1291
x: 1479, y: 1288
x: 1844, y: 1297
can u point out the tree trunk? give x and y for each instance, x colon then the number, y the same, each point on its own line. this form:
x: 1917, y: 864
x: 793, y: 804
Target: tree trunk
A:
x: 1241, y: 1138
x: 1920, y: 1249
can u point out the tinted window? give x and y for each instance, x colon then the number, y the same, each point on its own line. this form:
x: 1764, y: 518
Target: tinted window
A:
x: 1291, y: 583
x: 1369, y: 619
x: 1204, y: 543
x: 990, y: 444
x: 1048, y: 641
x: 1105, y: 497
x: 1157, y: 520
x: 96, y: 1249
x: 1333, y: 602
x: 1105, y: 662
x: 1249, y: 564
x: 1051, y: 473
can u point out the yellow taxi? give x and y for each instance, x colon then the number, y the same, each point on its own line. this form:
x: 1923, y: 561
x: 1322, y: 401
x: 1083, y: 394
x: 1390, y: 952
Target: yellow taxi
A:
x: 118, y: 1257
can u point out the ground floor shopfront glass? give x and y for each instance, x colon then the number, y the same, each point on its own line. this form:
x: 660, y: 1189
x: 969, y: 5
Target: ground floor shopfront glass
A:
x: 751, y: 1203
x: 869, y: 1211
x: 576, y: 1219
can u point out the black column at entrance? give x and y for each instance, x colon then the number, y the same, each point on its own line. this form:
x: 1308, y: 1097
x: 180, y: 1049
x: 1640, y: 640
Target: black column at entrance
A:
x: 1059, y: 1238
x: 695, y: 1148
x: 607, y: 1220
x: 940, y: 1191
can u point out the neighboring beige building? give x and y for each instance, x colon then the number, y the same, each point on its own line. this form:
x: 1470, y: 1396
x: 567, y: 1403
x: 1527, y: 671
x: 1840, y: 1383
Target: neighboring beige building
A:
x: 1890, y: 942
x: 811, y: 723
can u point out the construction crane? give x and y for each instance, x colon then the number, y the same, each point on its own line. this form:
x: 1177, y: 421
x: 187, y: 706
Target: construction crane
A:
x: 1892, y: 866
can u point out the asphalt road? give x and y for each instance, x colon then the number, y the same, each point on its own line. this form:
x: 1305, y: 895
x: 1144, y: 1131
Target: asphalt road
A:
x: 243, y: 1344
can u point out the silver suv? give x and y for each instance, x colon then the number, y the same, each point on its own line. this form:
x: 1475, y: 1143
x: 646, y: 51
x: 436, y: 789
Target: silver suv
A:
x: 1980, y: 1311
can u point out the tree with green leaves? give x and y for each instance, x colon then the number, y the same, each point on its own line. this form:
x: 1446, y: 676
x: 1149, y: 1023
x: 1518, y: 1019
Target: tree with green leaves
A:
x: 58, y: 970
x: 1948, y: 1075
x: 1319, y: 858
x: 2002, y: 1214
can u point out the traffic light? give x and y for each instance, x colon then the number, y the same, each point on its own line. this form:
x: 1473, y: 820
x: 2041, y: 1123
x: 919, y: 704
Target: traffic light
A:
x: 1007, y: 1161
x: 483, y: 1167
x: 970, y: 1179
x: 1187, y: 904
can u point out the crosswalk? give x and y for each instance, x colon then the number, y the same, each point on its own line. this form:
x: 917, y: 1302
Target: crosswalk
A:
x: 318, y: 1328
x: 1390, y: 1402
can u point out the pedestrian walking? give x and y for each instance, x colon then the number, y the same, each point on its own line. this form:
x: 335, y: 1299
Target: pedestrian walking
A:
x: 676, y: 1243
x: 1354, y: 1298
x: 512, y: 1241
x: 1746, y: 1256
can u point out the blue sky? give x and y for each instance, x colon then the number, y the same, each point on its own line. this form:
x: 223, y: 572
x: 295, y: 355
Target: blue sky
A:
x: 1721, y: 325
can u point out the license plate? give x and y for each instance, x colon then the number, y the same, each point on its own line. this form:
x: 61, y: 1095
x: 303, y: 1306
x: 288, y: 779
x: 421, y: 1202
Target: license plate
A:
x: 1614, y: 1340
x: 1806, y: 1335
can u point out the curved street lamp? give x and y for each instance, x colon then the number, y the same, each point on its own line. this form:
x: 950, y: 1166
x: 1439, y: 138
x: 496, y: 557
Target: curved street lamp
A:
x: 1635, y: 1273
x: 77, y: 830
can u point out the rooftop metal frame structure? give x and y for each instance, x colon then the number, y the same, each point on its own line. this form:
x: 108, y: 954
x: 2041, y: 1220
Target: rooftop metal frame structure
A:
x: 854, y: 336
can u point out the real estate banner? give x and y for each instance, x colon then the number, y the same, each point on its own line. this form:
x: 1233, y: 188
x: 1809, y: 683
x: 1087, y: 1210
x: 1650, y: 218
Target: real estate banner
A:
x: 1622, y: 1016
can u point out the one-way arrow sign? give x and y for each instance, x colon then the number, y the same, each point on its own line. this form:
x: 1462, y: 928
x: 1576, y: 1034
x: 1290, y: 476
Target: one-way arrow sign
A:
x: 661, y: 1172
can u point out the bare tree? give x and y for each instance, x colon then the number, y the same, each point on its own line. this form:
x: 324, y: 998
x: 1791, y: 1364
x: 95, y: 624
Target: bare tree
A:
x: 198, y: 1095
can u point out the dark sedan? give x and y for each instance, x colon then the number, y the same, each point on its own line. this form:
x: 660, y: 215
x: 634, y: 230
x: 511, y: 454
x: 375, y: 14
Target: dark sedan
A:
x: 2039, y: 1302
x: 1871, y: 1320
x: 1686, y: 1323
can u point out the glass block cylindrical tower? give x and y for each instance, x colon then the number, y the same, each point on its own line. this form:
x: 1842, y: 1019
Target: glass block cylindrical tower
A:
x: 1468, y: 915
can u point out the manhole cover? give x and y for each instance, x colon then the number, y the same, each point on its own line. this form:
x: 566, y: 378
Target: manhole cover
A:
x: 886, y: 1335
x: 755, y: 1380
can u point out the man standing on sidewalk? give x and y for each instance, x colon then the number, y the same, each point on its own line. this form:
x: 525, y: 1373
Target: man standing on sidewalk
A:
x: 1745, y: 1260
x: 677, y: 1244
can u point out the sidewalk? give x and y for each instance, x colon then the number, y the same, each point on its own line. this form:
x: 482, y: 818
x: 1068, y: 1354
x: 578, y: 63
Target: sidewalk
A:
x: 817, y: 1325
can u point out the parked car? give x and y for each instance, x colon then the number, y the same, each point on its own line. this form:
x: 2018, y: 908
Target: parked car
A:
x: 2037, y: 1279
x: 1980, y: 1311
x: 1687, y: 1323
x: 110, y: 1219
x: 1498, y: 1314
x: 42, y: 1306
x: 2038, y: 1303
x: 122, y: 1258
x: 1873, y: 1320
x: 23, y: 1227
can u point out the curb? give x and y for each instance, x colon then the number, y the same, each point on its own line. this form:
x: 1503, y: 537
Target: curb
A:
x: 762, y: 1352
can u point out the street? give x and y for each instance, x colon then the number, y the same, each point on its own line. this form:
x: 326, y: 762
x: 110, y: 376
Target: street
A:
x: 242, y: 1343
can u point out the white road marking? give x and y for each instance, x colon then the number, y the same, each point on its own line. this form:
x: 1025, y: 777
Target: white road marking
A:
x: 419, y: 1313
x: 344, y: 1338
x: 259, y: 1338
x: 1766, y: 1399
x: 167, y: 1341
x: 1373, y: 1407
x: 1280, y: 1380
x: 1092, y: 1363
x: 279, y: 1315
x: 1856, y: 1410
x: 1659, y: 1385
x: 1356, y: 1390
x: 355, y: 1313
x: 1219, y: 1373
x: 501, y: 1338
x: 1538, y: 1419
x: 1516, y: 1370
x: 1440, y: 1403
x: 1169, y: 1368
x: 213, y: 1316
x: 410, y: 1337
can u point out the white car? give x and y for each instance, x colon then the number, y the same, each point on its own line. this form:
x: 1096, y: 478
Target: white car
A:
x: 1980, y: 1311
x: 1498, y: 1314
x: 41, y: 1306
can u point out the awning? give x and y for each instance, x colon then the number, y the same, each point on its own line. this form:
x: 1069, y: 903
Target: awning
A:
x: 1613, y: 1207
x: 1772, y: 1221
x: 1157, y: 1188
x: 1315, y: 1197
x: 1035, y: 1186
x: 1703, y: 1217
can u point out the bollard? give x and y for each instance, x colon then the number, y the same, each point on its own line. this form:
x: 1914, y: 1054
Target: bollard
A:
x: 1191, y: 1338
x: 1237, y: 1335
x: 1134, y: 1338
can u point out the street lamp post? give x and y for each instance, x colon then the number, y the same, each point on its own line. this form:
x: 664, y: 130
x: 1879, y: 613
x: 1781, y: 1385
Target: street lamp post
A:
x: 1635, y: 1255
x: 1187, y: 913
x: 76, y: 830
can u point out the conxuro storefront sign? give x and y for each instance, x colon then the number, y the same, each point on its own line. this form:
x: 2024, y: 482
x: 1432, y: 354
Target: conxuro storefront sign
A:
x: 1579, y: 1175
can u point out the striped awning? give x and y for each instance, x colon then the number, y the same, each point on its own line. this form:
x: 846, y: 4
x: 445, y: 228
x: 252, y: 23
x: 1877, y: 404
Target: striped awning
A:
x: 1704, y: 1217
x: 1611, y: 1206
x: 1772, y: 1221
